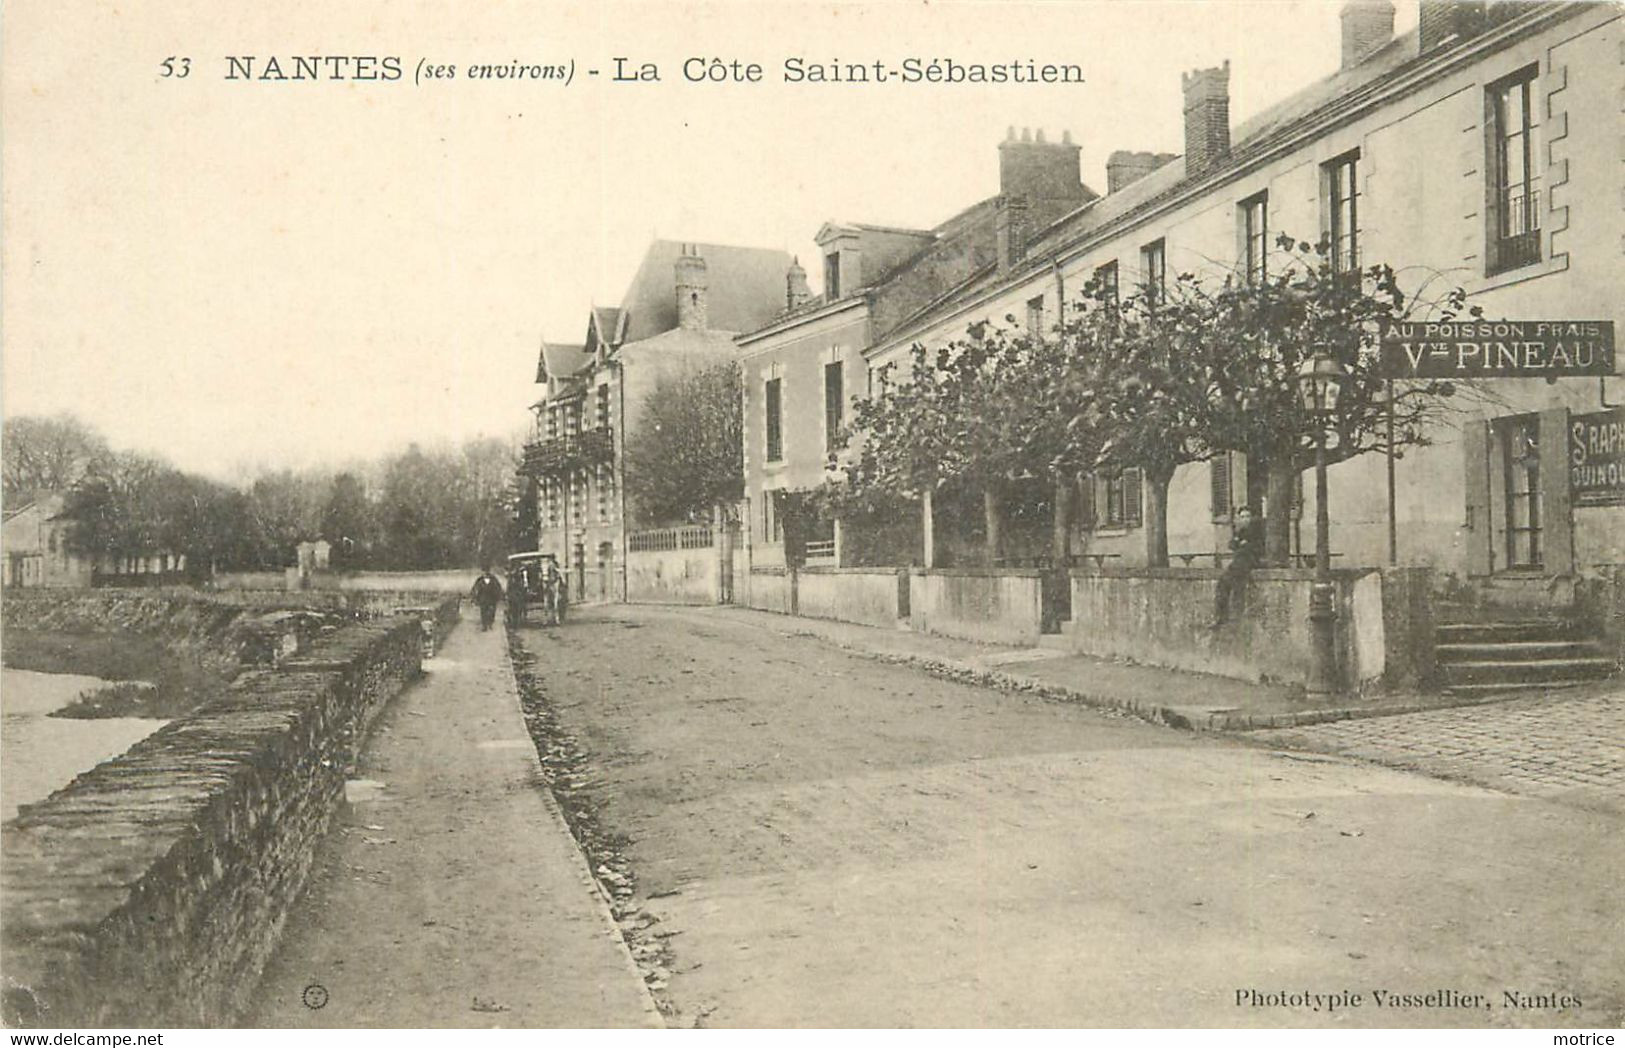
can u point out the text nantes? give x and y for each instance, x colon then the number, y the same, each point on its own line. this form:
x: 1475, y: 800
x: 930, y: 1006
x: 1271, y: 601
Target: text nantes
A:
x: 313, y: 67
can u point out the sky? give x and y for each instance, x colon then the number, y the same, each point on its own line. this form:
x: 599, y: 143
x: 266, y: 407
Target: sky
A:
x: 248, y: 274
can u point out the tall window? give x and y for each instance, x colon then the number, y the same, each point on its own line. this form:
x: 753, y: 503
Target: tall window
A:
x: 603, y: 407
x: 1035, y: 316
x: 832, y: 404
x: 1514, y: 187
x: 832, y: 276
x: 1154, y: 260
x: 775, y: 420
x: 1222, y: 492
x: 1123, y: 499
x: 1255, y: 232
x: 1106, y: 282
x: 1342, y: 201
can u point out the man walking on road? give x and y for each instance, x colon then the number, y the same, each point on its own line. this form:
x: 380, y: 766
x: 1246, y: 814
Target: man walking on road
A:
x: 487, y: 593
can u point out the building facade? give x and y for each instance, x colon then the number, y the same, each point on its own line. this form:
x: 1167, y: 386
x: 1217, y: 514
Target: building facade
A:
x: 1480, y: 151
x: 801, y: 372
x: 35, y: 541
x: 681, y: 311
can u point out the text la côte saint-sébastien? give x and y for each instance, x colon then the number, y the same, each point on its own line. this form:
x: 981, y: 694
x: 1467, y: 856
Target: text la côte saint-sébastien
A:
x: 913, y: 70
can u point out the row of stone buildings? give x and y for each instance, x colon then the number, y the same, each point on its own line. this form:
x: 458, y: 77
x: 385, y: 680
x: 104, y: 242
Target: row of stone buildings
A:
x: 1485, y: 146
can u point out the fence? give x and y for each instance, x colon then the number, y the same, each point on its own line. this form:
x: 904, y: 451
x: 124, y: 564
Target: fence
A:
x: 691, y: 536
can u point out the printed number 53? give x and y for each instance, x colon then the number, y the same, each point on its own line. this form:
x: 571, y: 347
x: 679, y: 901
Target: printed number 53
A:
x: 178, y: 68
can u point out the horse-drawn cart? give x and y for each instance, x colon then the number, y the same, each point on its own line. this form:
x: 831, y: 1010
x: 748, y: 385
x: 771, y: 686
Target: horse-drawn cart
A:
x: 536, y: 583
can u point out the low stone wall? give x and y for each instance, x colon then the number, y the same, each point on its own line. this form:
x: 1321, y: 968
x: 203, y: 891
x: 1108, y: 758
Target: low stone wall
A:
x: 769, y: 589
x: 874, y: 596
x: 1000, y: 606
x: 450, y: 580
x: 151, y: 890
x: 1162, y: 617
x: 248, y: 580
x: 1599, y: 605
x: 675, y: 576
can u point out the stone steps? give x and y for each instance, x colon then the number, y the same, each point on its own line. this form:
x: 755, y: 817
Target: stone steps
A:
x: 1481, y: 656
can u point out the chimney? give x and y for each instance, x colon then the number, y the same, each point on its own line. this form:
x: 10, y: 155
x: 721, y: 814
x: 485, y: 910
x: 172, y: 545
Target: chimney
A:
x: 1010, y: 230
x: 1440, y: 22
x: 1367, y: 26
x: 1040, y: 171
x: 796, y: 291
x: 691, y: 288
x: 1124, y: 168
x: 1207, y: 117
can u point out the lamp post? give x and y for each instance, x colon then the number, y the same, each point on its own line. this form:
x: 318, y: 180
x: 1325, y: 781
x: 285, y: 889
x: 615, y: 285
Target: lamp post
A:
x: 1320, y: 381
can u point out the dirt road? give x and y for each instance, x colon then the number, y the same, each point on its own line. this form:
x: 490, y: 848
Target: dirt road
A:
x: 449, y: 893
x: 828, y: 840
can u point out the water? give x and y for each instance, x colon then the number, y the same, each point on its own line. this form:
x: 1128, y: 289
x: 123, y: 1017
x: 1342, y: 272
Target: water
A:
x: 40, y: 754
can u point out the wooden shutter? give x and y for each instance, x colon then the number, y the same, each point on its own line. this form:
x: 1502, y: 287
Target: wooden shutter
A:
x: 1220, y: 493
x: 1477, y: 527
x: 1085, y: 508
x: 1131, y: 498
x: 1556, y: 494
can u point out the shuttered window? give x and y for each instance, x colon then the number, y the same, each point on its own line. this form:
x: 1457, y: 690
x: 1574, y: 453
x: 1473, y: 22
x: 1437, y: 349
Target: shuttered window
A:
x: 775, y: 420
x: 1222, y: 484
x: 1123, y: 499
x: 833, y: 404
x: 1086, y: 502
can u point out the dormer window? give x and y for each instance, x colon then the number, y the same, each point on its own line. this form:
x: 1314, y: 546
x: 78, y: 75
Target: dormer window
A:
x: 832, y: 276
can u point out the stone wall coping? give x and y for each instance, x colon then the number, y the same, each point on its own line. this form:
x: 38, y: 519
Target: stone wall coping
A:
x: 1000, y: 573
x: 142, y: 837
x: 890, y: 573
x: 1199, y: 574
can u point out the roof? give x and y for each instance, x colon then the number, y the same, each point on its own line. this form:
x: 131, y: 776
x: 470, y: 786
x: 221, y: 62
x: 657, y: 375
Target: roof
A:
x: 559, y: 360
x: 679, y: 342
x: 1346, y: 91
x: 744, y: 288
x: 606, y: 326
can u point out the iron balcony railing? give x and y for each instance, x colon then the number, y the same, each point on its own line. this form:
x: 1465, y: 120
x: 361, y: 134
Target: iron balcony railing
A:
x: 590, y: 447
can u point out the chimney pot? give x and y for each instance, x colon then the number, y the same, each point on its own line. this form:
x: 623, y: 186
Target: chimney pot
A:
x: 1044, y: 173
x: 796, y: 292
x: 1207, y: 116
x: 691, y: 286
x: 1124, y: 168
x: 1010, y: 230
x: 1367, y: 26
x: 1439, y: 22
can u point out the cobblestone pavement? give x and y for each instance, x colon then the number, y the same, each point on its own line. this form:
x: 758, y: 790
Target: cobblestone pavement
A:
x: 1565, y: 746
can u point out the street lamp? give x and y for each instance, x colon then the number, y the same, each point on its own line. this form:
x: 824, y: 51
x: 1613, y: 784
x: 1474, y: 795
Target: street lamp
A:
x: 1320, y: 381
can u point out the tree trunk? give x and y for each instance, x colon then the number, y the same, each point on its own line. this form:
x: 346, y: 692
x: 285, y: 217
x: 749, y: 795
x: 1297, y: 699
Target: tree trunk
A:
x: 1156, y: 517
x: 993, y: 514
x: 1063, y: 520
x: 1281, y: 478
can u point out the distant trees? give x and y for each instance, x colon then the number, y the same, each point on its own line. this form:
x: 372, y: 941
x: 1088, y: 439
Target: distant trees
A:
x: 687, y: 452
x: 437, y: 508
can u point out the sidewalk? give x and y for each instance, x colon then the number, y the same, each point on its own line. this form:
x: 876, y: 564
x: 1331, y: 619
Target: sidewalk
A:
x: 449, y: 892
x: 1182, y: 699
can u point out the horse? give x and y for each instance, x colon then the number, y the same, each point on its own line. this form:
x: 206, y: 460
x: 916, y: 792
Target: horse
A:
x: 554, y: 598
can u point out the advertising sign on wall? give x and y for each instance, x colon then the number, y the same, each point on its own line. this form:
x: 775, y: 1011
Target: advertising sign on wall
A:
x: 1597, y: 458
x: 1463, y: 349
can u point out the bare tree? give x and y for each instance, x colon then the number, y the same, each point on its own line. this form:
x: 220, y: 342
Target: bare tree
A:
x: 47, y: 454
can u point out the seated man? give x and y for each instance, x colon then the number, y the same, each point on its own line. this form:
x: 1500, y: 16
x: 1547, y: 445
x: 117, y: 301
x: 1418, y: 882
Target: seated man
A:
x: 1247, y: 547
